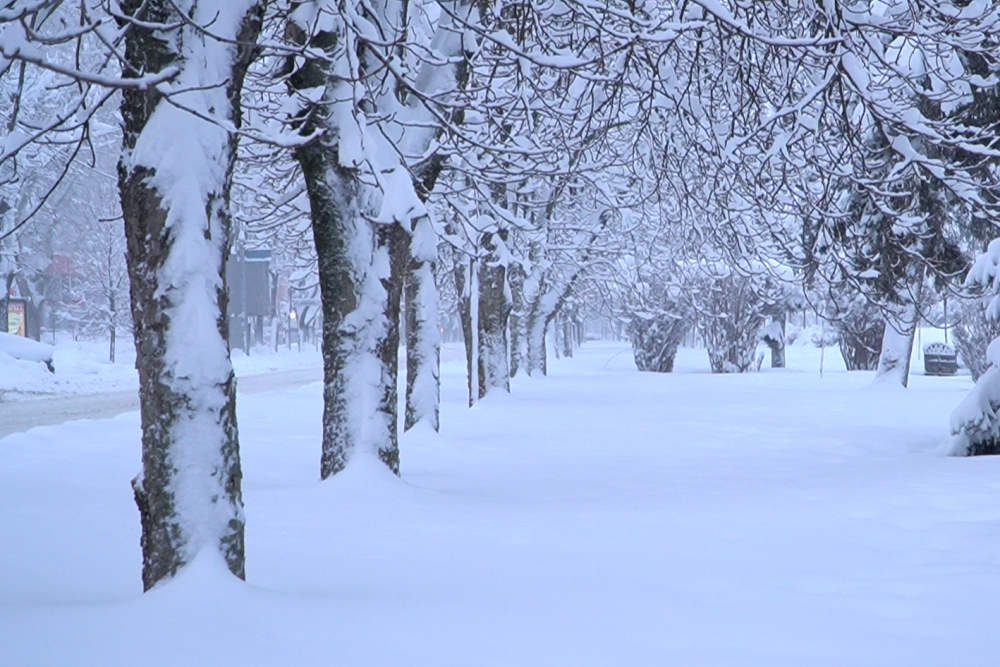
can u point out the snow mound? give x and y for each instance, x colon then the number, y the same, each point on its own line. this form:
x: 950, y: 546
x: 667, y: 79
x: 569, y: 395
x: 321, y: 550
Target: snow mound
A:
x: 26, y: 349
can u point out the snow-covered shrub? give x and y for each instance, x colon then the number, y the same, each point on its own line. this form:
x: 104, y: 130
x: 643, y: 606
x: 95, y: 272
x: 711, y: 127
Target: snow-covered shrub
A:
x: 859, y: 326
x: 655, y: 339
x: 731, y: 307
x: 973, y: 333
x: 975, y: 423
x: 658, y: 312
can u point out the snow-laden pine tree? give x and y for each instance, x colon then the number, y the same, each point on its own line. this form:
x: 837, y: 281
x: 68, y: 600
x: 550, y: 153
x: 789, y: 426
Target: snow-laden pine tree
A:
x: 175, y: 174
x: 973, y: 332
x: 975, y: 422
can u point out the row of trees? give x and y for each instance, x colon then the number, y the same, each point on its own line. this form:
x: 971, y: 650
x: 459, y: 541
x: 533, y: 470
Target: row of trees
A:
x: 530, y: 157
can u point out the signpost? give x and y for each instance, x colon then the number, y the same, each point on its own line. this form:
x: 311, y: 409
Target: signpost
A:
x: 17, y: 317
x: 249, y: 279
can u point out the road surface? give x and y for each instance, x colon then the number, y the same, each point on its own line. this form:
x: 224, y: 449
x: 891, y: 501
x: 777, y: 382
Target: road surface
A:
x: 18, y: 416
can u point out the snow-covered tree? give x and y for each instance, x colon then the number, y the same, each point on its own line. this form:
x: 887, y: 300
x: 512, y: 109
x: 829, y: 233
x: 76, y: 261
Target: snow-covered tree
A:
x: 175, y: 176
x: 973, y: 332
x: 975, y: 422
x: 179, y: 67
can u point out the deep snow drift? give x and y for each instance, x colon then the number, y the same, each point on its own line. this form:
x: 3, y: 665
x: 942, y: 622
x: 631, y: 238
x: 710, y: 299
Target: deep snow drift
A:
x: 599, y: 516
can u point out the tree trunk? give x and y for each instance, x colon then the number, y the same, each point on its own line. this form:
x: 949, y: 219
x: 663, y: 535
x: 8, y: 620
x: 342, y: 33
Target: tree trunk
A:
x: 537, y: 327
x: 355, y: 257
x: 355, y: 302
x: 897, y: 348
x: 897, y: 341
x: 494, y: 309
x: 773, y: 335
x: 423, y: 337
x: 175, y: 175
x: 861, y: 348
x: 396, y: 243
x: 569, y: 337
x: 655, y: 340
x: 518, y: 338
x: 465, y: 278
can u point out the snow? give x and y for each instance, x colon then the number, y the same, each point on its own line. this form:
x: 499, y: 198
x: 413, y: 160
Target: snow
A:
x: 599, y: 516
x: 81, y: 367
x: 17, y: 347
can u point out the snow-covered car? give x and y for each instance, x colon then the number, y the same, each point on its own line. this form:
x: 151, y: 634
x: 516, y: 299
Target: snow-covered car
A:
x: 26, y: 349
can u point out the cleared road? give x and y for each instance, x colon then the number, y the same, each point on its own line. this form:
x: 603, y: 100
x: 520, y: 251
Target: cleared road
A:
x: 18, y: 416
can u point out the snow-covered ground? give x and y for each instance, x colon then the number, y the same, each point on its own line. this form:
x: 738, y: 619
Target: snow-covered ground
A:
x: 82, y: 367
x: 599, y: 516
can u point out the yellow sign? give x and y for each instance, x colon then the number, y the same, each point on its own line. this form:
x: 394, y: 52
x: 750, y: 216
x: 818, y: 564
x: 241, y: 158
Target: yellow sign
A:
x: 15, y: 317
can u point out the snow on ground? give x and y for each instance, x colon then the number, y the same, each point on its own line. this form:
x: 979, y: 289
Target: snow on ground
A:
x: 599, y: 516
x: 82, y: 367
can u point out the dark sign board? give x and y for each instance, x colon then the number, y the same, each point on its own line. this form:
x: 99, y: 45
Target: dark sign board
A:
x: 249, y: 283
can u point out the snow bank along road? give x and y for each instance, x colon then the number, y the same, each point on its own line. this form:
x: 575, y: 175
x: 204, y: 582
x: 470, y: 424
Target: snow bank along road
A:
x: 17, y: 416
x: 596, y: 517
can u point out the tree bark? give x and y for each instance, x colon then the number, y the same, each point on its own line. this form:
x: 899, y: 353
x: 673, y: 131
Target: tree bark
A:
x: 897, y: 341
x: 465, y: 278
x: 423, y: 337
x: 569, y: 336
x: 177, y: 226
x: 358, y: 293
x: 494, y: 309
x: 897, y: 349
x: 356, y: 332
x: 518, y: 338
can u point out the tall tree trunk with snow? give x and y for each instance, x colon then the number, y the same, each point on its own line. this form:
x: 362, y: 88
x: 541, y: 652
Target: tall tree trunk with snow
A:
x: 536, y: 328
x: 897, y: 349
x: 396, y: 243
x: 468, y: 313
x: 861, y: 328
x: 423, y: 337
x: 174, y: 179
x: 518, y: 348
x: 897, y: 341
x: 546, y: 296
x: 112, y: 330
x: 354, y: 300
x: 773, y: 335
x: 437, y: 76
x: 655, y: 340
x: 354, y: 262
x: 494, y: 309
x: 568, y: 335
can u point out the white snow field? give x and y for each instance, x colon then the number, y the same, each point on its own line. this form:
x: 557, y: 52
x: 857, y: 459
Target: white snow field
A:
x: 81, y: 367
x: 599, y: 516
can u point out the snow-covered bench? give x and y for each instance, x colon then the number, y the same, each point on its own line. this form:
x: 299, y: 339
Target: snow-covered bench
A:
x: 940, y: 359
x: 26, y: 349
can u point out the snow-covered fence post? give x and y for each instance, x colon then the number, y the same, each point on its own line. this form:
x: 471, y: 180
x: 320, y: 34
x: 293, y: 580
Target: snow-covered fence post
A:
x: 774, y: 338
x: 175, y: 175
